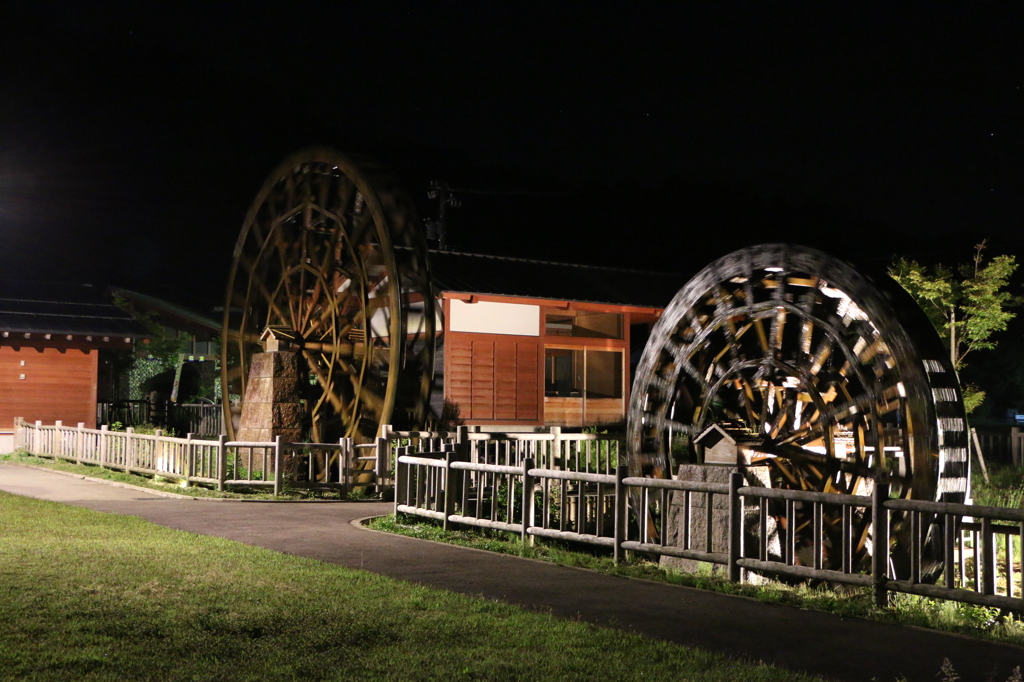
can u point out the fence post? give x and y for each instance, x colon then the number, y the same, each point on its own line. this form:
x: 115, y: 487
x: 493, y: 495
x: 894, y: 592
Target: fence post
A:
x: 380, y: 465
x: 462, y: 440
x: 278, y: 463
x: 158, y: 452
x: 104, y: 445
x: 556, y: 450
x: 190, y: 461
x: 79, y: 442
x: 129, y: 449
x: 735, y: 525
x: 1015, y: 446
x: 222, y: 456
x: 19, y: 433
x: 621, y: 472
x: 988, y: 557
x: 449, y: 485
x: 342, y: 458
x: 527, y: 506
x: 880, y: 537
x: 399, y: 480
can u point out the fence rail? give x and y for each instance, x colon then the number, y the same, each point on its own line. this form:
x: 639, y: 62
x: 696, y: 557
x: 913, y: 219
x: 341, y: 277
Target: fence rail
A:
x: 739, y: 527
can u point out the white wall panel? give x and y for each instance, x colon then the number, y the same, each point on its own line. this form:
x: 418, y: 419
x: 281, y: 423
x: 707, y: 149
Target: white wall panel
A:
x: 494, y: 318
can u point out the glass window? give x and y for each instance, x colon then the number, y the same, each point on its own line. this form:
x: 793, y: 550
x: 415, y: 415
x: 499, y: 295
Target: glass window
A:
x: 563, y: 373
x: 583, y: 323
x: 604, y: 374
x: 578, y: 373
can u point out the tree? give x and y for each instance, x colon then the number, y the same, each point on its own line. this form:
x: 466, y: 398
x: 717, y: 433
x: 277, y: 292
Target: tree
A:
x: 967, y: 305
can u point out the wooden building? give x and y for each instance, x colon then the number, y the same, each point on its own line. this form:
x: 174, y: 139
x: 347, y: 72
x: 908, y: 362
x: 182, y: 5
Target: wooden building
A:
x: 534, y: 343
x: 50, y: 340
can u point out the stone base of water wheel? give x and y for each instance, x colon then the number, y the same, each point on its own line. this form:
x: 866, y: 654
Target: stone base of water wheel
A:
x: 712, y: 473
x: 273, y: 398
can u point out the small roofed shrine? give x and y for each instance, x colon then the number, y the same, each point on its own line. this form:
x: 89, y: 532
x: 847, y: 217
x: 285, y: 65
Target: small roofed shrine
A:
x: 51, y: 335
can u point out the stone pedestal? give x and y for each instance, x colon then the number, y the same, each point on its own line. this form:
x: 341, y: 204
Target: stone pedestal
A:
x: 272, y: 405
x: 710, y: 473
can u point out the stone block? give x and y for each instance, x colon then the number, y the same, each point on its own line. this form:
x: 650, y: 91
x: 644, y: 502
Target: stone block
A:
x: 705, y: 473
x: 287, y: 416
x: 277, y: 364
x: 256, y: 415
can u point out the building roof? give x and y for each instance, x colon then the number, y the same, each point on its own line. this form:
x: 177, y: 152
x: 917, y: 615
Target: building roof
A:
x: 59, y: 308
x: 171, y: 314
x: 473, y: 273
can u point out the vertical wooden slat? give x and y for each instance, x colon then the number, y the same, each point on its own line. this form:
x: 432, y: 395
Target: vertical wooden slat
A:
x: 988, y: 561
x: 816, y: 545
x: 915, y: 547
x: 880, y: 535
x: 948, y: 548
x: 621, y: 500
x: 686, y: 519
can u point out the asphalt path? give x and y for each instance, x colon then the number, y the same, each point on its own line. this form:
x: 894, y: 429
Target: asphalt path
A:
x: 820, y: 643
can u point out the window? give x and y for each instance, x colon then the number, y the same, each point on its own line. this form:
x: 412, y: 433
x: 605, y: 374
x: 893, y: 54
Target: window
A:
x: 604, y: 374
x: 582, y: 373
x: 583, y: 324
x: 563, y: 374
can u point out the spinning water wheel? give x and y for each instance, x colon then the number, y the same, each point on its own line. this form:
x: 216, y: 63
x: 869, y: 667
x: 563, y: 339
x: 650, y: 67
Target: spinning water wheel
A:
x: 829, y: 379
x: 332, y: 256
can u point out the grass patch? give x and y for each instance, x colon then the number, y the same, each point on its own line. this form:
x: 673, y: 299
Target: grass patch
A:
x: 1005, y: 487
x: 847, y: 601
x: 94, y: 596
x: 164, y: 485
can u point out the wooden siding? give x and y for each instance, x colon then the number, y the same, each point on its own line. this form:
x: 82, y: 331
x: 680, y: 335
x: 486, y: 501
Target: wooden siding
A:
x: 569, y: 411
x: 493, y: 379
x: 59, y: 384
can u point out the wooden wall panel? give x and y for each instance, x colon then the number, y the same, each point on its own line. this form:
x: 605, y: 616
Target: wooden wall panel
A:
x: 57, y: 385
x: 529, y: 381
x: 505, y: 373
x: 492, y: 378
x: 569, y: 411
x: 483, y: 380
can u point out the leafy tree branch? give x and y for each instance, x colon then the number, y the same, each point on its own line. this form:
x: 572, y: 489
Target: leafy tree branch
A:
x: 967, y: 305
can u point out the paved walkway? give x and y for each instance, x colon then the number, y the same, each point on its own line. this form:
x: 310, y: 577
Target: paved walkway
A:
x: 844, y: 649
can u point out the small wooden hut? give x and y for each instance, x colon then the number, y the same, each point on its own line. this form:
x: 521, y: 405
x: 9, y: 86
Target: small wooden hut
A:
x: 535, y: 343
x: 50, y: 339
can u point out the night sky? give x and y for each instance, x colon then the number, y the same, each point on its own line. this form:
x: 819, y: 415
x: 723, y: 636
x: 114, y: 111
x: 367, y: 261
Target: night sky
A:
x: 134, y: 137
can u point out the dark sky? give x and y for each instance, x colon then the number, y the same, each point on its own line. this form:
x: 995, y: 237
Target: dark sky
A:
x: 659, y: 136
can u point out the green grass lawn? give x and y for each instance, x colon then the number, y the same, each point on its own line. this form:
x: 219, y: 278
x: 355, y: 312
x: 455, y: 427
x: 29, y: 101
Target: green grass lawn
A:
x: 92, y: 596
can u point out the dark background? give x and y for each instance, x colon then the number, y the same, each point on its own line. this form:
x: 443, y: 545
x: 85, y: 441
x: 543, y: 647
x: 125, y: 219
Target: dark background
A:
x: 133, y: 136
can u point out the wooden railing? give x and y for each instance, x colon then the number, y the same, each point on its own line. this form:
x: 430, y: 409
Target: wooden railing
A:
x: 552, y: 449
x: 976, y: 545
x: 1000, y: 444
x: 201, y: 419
x: 221, y: 463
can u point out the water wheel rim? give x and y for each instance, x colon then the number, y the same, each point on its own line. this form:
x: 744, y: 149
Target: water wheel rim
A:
x: 389, y: 217
x: 900, y: 368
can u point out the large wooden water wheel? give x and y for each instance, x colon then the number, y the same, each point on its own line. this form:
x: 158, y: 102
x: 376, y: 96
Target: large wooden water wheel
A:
x: 831, y: 379
x: 333, y: 257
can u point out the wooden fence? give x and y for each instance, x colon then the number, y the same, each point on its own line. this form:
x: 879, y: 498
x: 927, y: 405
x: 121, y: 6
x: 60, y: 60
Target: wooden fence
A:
x: 737, y: 527
x: 223, y: 463
x: 1000, y: 445
x: 552, y: 449
x: 200, y: 419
